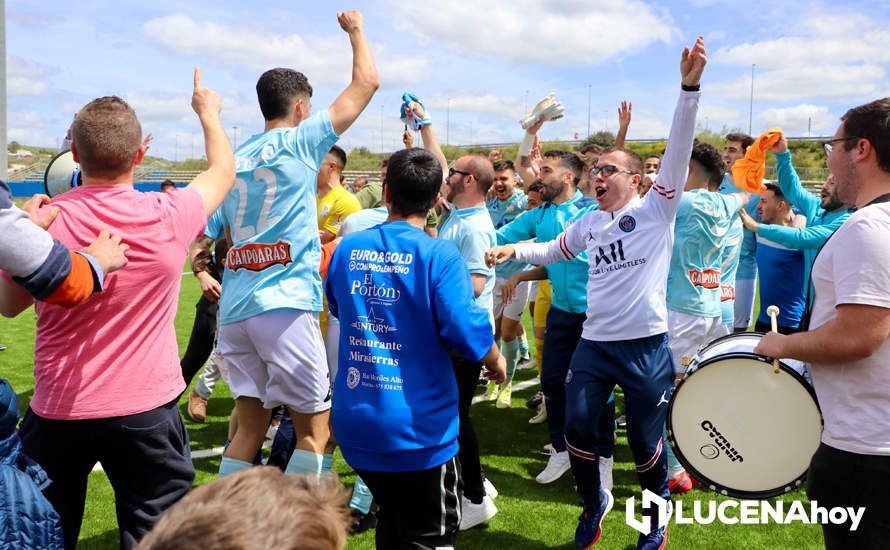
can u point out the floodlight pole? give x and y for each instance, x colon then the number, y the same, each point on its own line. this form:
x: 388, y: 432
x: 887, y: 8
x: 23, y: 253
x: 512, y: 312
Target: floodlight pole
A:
x: 588, y: 109
x: 751, y: 103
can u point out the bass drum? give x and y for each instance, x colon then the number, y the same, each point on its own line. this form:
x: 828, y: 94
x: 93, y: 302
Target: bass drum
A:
x: 738, y: 427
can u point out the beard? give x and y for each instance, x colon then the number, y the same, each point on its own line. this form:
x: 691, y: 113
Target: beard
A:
x: 846, y: 184
x: 549, y: 193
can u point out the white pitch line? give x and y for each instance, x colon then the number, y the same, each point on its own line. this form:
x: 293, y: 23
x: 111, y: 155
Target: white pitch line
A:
x: 218, y: 451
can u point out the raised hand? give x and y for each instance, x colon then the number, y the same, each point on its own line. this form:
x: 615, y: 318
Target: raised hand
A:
x: 781, y: 146
x: 624, y: 113
x: 408, y: 138
x: 146, y: 142
x: 692, y: 63
x: 108, y: 250
x: 350, y: 21
x: 205, y: 101
x: 32, y: 207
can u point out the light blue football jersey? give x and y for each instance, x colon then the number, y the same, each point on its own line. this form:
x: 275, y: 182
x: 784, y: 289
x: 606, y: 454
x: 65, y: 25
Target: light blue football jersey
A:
x: 732, y: 247
x: 473, y: 233
x: 703, y: 221
x: 502, y: 213
x: 271, y: 212
x: 214, y: 228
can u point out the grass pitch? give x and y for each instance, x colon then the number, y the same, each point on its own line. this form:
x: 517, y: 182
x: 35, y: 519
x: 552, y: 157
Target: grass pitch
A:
x: 530, y: 515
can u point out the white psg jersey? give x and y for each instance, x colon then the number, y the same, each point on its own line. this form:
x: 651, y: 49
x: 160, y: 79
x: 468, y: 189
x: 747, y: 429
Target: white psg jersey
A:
x: 629, y: 250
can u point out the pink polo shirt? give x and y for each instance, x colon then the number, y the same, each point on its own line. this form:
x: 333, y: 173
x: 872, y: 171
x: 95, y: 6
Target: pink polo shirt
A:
x: 116, y: 354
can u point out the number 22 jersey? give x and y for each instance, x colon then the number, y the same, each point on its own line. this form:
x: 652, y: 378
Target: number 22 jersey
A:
x: 271, y: 213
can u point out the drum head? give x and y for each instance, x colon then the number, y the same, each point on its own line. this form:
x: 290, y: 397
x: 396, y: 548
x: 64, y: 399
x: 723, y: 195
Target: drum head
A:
x: 743, y: 430
x: 60, y: 173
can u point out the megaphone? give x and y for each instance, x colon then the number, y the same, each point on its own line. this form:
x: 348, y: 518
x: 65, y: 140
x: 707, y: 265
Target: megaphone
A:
x: 62, y: 174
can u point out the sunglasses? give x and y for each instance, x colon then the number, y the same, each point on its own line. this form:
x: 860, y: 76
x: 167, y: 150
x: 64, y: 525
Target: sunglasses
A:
x: 607, y: 170
x: 452, y: 171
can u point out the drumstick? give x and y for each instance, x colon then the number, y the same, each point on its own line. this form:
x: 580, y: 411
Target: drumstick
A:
x: 773, y: 313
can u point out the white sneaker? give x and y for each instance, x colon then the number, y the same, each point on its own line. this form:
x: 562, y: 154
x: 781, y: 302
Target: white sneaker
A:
x: 606, y: 472
x: 490, y: 489
x: 541, y: 417
x: 472, y: 515
x: 557, y: 465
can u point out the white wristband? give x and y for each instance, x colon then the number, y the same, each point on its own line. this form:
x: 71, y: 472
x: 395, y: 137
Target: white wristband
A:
x: 525, y: 148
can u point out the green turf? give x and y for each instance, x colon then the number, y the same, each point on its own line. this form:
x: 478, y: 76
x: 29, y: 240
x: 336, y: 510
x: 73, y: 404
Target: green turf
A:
x: 530, y: 515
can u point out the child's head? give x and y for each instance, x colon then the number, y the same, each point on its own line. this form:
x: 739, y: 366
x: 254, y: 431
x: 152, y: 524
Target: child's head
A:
x: 256, y: 508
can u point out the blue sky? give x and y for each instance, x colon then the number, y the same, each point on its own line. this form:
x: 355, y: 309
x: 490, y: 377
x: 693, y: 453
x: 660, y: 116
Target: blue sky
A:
x: 487, y: 59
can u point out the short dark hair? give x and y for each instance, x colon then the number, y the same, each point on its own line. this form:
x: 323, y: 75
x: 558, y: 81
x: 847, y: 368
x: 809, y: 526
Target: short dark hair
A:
x: 744, y: 139
x: 167, y: 183
x: 872, y: 122
x: 502, y: 165
x: 276, y: 90
x: 708, y: 157
x: 568, y: 160
x: 339, y: 155
x: 414, y: 177
x: 106, y: 136
x: 633, y: 158
x: 384, y: 162
x: 653, y: 156
x: 776, y: 190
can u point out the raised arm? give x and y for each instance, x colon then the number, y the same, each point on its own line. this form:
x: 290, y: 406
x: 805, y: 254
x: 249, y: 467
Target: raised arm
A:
x: 417, y: 111
x: 664, y: 198
x: 565, y: 246
x: 789, y: 181
x: 353, y: 100
x: 810, y: 238
x: 624, y: 114
x: 214, y: 183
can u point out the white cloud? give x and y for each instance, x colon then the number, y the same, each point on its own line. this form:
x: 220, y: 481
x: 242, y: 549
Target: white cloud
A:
x: 836, y: 56
x: 798, y: 120
x: 18, y: 85
x: 26, y: 78
x: 325, y: 59
x: 839, y: 82
x: 29, y: 128
x: 493, y: 105
x: 562, y: 32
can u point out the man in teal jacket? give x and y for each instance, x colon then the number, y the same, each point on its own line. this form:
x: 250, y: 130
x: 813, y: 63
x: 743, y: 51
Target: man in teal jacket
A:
x: 825, y: 213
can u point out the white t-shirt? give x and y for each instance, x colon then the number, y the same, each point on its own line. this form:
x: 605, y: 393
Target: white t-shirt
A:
x: 629, y: 250
x: 854, y: 268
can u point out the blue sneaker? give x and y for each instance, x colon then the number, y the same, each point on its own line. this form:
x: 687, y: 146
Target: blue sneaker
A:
x: 590, y: 525
x: 656, y: 540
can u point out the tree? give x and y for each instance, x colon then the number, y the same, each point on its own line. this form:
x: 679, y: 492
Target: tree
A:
x: 13, y: 146
x: 603, y: 138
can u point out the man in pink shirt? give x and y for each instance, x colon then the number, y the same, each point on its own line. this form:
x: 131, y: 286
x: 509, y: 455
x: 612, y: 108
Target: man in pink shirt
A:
x: 107, y: 375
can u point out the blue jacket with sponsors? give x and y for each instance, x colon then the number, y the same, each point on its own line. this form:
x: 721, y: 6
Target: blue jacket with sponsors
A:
x: 404, y: 301
x: 568, y: 278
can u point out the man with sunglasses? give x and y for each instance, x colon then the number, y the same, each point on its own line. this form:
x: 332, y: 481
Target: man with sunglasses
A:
x: 628, y: 243
x: 469, y: 227
x: 848, y: 345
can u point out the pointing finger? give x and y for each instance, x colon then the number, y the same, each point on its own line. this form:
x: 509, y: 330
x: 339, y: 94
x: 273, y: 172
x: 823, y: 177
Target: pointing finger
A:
x: 197, y: 77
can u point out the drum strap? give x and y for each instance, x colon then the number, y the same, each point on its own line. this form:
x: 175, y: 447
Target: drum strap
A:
x: 811, y: 289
